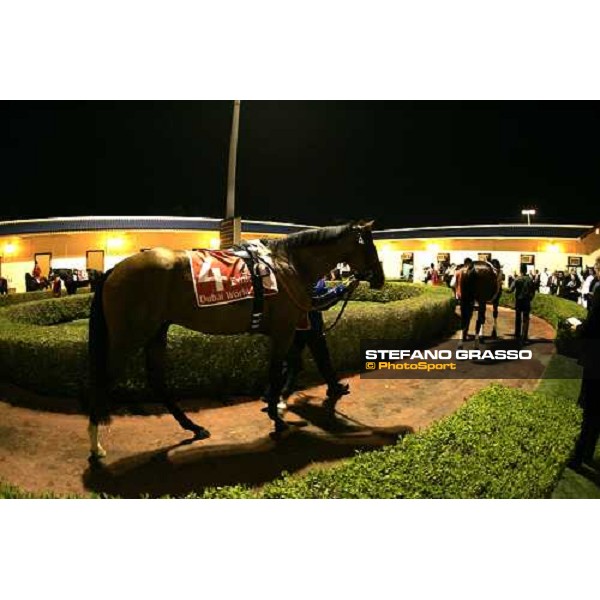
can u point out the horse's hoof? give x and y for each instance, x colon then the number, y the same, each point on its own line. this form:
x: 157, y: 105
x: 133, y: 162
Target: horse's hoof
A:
x: 329, y: 407
x: 98, y: 454
x: 282, y: 430
x: 95, y: 459
x: 200, y: 433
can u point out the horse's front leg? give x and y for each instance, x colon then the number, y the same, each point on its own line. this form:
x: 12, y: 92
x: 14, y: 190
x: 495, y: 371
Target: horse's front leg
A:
x: 280, y: 346
x: 274, y: 393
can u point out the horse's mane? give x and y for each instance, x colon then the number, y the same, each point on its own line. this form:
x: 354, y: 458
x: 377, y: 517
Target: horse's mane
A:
x: 310, y: 237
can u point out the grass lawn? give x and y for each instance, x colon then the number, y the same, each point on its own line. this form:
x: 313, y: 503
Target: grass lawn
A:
x: 572, y: 484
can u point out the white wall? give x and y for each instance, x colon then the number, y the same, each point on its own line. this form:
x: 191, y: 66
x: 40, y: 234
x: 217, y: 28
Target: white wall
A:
x: 110, y: 260
x: 392, y: 263
x: 14, y: 272
x: 71, y: 262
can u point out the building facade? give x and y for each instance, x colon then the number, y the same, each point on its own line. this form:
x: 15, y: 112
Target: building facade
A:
x: 552, y: 247
x: 101, y: 242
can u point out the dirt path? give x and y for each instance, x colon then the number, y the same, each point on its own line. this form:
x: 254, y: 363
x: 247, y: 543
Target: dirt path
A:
x: 41, y: 450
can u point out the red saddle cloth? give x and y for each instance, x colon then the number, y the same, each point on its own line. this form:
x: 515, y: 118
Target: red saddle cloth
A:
x: 221, y: 277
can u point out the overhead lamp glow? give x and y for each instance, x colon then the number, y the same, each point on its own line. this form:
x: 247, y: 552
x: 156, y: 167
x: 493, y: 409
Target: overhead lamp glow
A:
x: 215, y: 243
x: 529, y: 212
x: 10, y: 249
x: 115, y: 243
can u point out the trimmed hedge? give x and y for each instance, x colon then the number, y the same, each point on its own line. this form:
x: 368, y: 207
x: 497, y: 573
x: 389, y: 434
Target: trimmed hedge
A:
x: 50, y: 311
x: 389, y: 293
x: 24, y: 297
x: 39, y: 334
x: 10, y: 299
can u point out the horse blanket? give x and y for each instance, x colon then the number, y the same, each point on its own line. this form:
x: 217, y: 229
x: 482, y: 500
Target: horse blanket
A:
x: 222, y: 276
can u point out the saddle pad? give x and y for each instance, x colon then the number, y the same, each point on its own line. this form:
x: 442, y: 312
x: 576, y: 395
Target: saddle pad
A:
x: 221, y: 277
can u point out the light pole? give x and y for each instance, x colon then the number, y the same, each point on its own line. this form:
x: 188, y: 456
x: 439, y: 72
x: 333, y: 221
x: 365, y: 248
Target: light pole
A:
x: 231, y: 226
x: 529, y: 212
x: 235, y: 126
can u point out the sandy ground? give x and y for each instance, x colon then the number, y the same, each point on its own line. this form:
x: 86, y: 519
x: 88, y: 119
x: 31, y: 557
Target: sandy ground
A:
x: 44, y: 445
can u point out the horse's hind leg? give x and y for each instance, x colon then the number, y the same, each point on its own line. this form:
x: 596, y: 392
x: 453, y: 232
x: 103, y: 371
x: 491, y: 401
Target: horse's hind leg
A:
x: 156, y: 353
x: 480, y: 322
x: 495, y: 315
x: 100, y: 403
x: 466, y: 312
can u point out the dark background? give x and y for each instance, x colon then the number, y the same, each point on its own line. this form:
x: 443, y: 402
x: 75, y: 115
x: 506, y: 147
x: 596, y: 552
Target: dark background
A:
x: 402, y: 163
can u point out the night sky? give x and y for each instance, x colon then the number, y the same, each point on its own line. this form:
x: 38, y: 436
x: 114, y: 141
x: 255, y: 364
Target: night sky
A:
x: 401, y: 163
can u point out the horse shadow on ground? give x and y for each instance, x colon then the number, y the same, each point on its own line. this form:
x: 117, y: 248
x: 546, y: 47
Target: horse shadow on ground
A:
x: 176, y: 471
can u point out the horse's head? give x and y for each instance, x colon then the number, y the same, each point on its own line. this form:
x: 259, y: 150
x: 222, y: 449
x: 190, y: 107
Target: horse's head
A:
x: 363, y: 257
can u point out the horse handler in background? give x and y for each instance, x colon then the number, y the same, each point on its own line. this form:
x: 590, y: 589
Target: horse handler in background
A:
x: 310, y: 332
x: 524, y: 289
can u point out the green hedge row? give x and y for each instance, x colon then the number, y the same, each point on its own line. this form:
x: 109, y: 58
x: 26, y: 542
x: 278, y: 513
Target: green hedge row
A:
x: 10, y: 299
x: 39, y: 334
x: 503, y: 443
x: 50, y: 311
x: 389, y: 293
x: 24, y: 297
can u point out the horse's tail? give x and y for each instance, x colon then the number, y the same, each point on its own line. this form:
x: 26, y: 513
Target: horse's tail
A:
x: 98, y: 406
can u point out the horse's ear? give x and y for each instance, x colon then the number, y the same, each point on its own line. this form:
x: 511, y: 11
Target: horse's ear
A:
x: 363, y: 224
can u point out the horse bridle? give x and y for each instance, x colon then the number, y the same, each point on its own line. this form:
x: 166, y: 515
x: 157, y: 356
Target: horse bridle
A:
x: 362, y: 275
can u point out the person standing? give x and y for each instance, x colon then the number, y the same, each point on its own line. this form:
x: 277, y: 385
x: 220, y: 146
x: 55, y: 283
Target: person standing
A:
x: 544, y: 282
x: 589, y: 397
x: 37, y: 271
x: 524, y: 289
x: 587, y: 289
x: 310, y: 333
x: 435, y: 275
x: 56, y: 286
x: 571, y: 287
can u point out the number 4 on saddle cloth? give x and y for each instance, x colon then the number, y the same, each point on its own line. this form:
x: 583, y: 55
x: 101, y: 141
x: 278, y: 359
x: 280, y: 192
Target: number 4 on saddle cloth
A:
x: 226, y: 276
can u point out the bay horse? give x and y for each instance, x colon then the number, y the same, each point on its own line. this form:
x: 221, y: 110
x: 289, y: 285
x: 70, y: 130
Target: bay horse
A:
x: 477, y: 281
x: 135, y: 303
